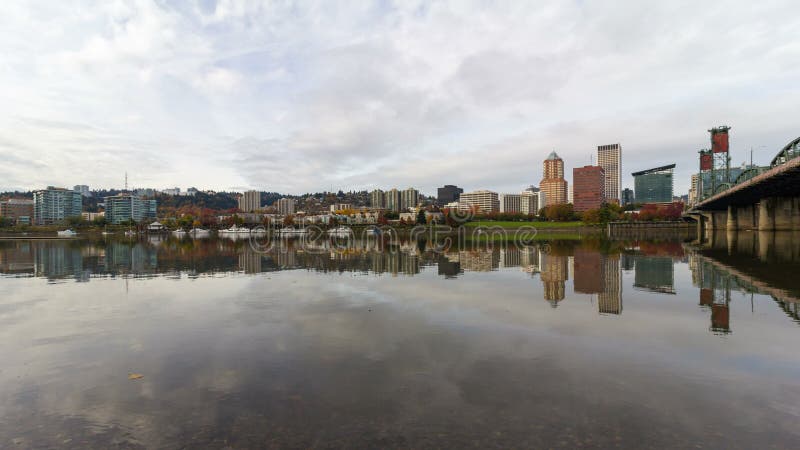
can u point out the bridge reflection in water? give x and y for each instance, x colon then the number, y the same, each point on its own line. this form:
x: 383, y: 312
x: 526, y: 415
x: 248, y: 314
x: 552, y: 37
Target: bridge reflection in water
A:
x: 748, y: 262
x: 764, y: 263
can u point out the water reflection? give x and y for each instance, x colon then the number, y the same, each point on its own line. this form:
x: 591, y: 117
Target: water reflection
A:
x: 746, y: 262
x: 400, y: 346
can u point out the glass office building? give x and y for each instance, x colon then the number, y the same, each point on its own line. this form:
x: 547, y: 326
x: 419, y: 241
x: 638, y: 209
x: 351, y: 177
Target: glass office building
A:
x: 654, y: 185
x: 124, y: 207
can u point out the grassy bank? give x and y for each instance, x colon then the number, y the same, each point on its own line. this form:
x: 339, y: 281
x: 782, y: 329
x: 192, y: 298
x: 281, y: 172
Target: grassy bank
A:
x: 538, y: 225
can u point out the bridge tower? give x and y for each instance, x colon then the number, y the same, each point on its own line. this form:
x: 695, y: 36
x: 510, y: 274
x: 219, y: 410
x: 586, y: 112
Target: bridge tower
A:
x: 720, y: 158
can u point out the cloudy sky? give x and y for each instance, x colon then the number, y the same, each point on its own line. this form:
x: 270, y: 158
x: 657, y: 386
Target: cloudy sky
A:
x: 299, y: 97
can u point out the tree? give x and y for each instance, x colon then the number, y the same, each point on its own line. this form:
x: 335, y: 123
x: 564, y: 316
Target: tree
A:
x: 421, y: 217
x: 382, y: 219
x: 288, y: 220
x: 562, y: 212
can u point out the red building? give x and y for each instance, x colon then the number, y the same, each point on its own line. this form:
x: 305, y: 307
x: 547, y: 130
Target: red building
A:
x: 588, y: 187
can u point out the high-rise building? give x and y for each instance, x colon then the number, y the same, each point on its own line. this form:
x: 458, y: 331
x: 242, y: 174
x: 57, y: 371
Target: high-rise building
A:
x: 377, y: 199
x: 122, y: 208
x: 694, y: 189
x: 481, y: 201
x: 588, y: 183
x: 448, y: 194
x: 17, y: 210
x: 570, y: 198
x: 250, y: 201
x: 627, y: 196
x: 83, y: 189
x: 510, y: 203
x: 529, y: 201
x: 409, y: 198
x: 285, y: 206
x: 172, y: 191
x: 654, y: 185
x: 393, y: 200
x: 54, y: 205
x: 609, y: 157
x: 553, y: 184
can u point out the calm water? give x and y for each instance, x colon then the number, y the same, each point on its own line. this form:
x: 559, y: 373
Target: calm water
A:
x: 593, y: 344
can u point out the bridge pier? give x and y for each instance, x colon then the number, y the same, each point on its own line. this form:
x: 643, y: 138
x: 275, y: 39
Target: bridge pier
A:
x: 746, y: 217
x: 787, y: 213
x: 766, y: 214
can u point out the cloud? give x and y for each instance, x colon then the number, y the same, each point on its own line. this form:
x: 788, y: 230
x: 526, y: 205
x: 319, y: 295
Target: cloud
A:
x: 381, y: 94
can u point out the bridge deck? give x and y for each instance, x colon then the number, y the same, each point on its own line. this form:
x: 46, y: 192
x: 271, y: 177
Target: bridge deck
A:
x: 781, y: 181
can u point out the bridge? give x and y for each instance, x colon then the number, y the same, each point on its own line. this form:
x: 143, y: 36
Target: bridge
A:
x: 759, y: 198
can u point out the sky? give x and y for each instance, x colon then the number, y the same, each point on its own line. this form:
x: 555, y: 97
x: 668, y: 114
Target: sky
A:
x: 307, y: 96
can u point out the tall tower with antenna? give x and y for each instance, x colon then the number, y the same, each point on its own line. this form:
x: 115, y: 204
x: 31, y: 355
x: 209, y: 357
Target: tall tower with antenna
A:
x: 126, y: 181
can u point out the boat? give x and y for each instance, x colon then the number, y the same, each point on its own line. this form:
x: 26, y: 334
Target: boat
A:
x: 340, y: 231
x: 180, y: 232
x: 199, y: 233
x: 289, y: 231
x: 67, y: 233
x: 235, y: 230
x: 130, y: 233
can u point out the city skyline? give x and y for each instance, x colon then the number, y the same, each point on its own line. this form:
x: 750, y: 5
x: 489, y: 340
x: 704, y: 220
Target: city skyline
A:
x: 302, y: 99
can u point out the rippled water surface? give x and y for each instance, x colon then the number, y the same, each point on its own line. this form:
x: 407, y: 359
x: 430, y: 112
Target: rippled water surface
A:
x: 564, y: 344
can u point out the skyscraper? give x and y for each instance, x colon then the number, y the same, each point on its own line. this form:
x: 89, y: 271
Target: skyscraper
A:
x: 393, y: 200
x: 409, y: 198
x: 627, y: 196
x: 285, y: 206
x: 553, y: 184
x: 250, y: 201
x: 609, y: 157
x: 377, y: 199
x: 588, y: 183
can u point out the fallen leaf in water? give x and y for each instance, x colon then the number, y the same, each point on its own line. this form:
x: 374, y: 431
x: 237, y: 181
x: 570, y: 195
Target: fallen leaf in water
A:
x: 135, y: 376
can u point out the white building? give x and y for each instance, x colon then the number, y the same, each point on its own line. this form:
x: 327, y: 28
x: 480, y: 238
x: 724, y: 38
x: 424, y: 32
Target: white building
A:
x: 510, y: 203
x: 542, y: 199
x: 483, y: 201
x: 285, y: 206
x: 341, y: 206
x: 529, y: 201
x: 250, y: 201
x: 409, y: 199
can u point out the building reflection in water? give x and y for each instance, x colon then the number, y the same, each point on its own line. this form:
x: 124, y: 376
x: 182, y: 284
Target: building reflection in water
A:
x: 749, y: 263
x: 596, y: 273
x: 554, y: 275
